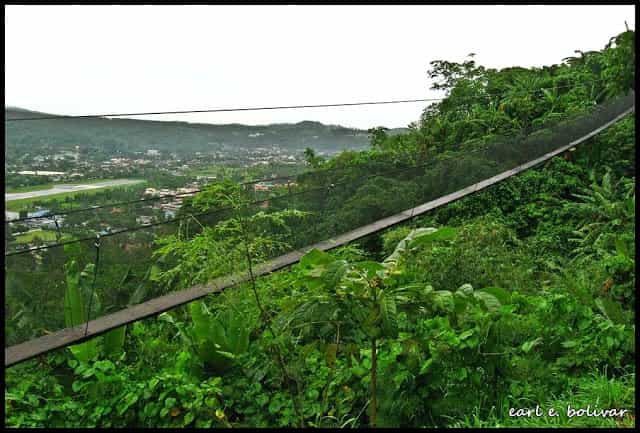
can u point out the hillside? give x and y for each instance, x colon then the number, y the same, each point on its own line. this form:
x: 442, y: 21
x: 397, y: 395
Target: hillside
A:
x: 112, y: 136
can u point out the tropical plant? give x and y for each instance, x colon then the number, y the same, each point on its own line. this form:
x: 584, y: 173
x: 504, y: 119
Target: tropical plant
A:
x: 219, y: 340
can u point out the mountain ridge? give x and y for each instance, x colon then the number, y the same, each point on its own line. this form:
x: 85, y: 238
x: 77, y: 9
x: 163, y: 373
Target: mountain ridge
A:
x: 125, y: 135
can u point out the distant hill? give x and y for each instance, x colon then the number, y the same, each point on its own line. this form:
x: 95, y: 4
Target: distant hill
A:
x: 123, y: 136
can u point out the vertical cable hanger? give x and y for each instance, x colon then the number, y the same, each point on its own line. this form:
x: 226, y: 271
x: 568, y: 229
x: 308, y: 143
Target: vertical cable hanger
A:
x: 290, y: 205
x: 334, y: 221
x: 93, y: 285
x: 58, y: 234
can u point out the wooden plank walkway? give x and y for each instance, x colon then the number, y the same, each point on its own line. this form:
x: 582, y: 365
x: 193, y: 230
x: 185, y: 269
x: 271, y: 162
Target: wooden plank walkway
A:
x: 41, y: 345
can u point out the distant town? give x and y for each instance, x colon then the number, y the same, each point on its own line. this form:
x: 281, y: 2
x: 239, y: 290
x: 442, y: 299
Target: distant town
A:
x: 73, y: 166
x: 95, y: 164
x: 68, y: 172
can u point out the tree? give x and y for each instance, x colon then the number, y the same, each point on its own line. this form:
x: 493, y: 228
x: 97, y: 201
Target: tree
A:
x: 378, y: 136
x: 311, y: 158
x: 367, y: 293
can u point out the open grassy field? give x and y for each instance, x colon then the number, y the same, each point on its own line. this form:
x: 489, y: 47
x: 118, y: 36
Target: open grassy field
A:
x: 29, y: 188
x: 45, y: 235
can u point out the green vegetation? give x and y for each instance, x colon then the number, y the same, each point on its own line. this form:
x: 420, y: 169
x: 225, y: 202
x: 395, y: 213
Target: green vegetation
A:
x: 30, y: 188
x: 26, y: 204
x: 218, y: 171
x: 521, y: 295
x: 101, y: 136
x: 44, y: 235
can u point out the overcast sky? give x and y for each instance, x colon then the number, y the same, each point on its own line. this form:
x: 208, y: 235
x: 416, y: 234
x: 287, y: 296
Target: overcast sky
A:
x: 97, y: 59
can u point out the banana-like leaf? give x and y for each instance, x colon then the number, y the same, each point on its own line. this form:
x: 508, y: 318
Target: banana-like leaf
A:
x: 441, y: 234
x: 74, y: 311
x: 418, y: 237
x: 402, y: 246
x: 113, y: 341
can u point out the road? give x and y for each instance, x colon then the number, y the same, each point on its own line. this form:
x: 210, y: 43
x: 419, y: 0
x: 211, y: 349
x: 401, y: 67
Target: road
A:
x: 62, y: 188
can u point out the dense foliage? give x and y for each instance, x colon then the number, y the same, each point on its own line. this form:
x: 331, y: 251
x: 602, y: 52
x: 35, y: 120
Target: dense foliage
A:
x: 520, y: 295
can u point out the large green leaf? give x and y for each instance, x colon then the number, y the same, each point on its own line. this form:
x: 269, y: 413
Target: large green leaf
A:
x: 201, y: 322
x: 461, y: 301
x: 389, y: 315
x: 370, y: 268
x: 611, y: 309
x: 441, y: 234
x: 415, y: 238
x: 74, y: 312
x: 218, y: 339
x: 499, y: 293
x: 465, y: 290
x: 237, y: 333
x: 217, y: 333
x: 155, y: 273
x: 403, y: 245
x: 490, y: 302
x: 85, y: 351
x: 443, y: 299
x: 528, y: 345
x: 113, y: 341
x: 334, y: 272
x: 315, y: 257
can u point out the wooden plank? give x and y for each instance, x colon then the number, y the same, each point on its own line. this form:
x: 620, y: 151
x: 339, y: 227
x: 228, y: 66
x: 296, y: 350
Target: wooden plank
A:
x: 38, y: 346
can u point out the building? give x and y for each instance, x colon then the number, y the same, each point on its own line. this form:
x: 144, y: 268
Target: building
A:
x: 38, y: 213
x: 144, y: 219
x: 261, y: 186
x: 50, y: 223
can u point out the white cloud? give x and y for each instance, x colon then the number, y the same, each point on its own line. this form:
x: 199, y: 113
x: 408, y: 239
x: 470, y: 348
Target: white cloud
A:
x: 96, y: 59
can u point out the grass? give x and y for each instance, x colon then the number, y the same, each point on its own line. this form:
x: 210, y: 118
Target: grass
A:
x: 25, y: 203
x: 29, y: 188
x: 206, y: 171
x: 45, y: 235
x: 225, y: 171
x: 597, y: 391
